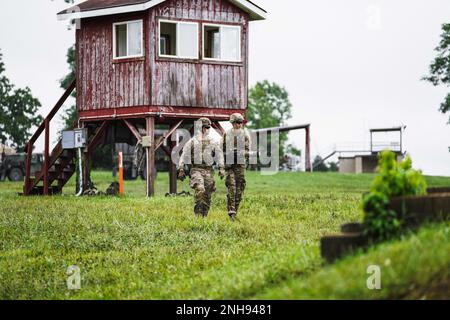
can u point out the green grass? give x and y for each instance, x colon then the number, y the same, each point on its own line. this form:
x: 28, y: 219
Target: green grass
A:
x: 138, y: 248
x: 411, y: 267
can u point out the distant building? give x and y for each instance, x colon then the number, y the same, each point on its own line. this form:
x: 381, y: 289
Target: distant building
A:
x: 361, y: 163
x: 367, y: 162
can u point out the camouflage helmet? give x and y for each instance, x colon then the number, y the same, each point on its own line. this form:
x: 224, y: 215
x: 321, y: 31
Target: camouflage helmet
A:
x: 236, y: 118
x: 205, y: 122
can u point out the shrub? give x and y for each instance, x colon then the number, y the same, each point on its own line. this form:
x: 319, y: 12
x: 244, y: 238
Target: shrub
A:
x: 394, y: 179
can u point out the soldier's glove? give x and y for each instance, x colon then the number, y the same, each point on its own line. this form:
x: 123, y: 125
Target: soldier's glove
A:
x: 221, y: 173
x: 181, y: 175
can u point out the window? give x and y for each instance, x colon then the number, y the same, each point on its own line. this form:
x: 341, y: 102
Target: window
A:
x: 178, y: 39
x: 222, y: 42
x: 127, y: 39
x: 212, y: 42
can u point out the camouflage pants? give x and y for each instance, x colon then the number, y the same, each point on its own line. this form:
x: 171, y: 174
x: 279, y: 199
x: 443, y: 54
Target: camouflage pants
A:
x: 235, y: 183
x: 202, y: 181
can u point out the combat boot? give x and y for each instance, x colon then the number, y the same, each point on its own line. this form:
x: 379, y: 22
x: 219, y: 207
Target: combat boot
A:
x: 232, y: 215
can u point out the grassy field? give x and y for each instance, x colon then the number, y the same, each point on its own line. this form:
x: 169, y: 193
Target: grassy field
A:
x: 138, y: 248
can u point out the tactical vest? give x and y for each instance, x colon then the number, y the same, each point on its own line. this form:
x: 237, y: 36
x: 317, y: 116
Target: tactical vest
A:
x: 205, y: 162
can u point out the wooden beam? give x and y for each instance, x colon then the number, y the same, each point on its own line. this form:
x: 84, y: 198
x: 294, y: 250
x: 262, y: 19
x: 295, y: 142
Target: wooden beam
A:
x: 46, y: 155
x: 218, y: 127
x: 26, y: 189
x: 97, y: 136
x: 169, y: 113
x: 308, y: 167
x: 172, y: 170
x: 86, y: 170
x: 159, y: 142
x: 168, y: 134
x: 53, y: 112
x: 133, y: 130
x: 150, y: 178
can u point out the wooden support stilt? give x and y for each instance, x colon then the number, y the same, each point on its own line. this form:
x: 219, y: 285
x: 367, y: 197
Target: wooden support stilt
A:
x: 133, y: 130
x: 46, y: 155
x: 28, y: 169
x: 86, y: 163
x: 86, y: 170
x: 307, y: 150
x: 166, y: 136
x: 172, y: 171
x: 150, y: 152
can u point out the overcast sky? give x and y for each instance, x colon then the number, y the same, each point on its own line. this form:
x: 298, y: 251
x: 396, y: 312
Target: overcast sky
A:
x: 349, y: 65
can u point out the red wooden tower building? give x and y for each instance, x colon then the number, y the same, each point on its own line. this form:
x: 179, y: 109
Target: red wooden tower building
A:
x: 147, y: 62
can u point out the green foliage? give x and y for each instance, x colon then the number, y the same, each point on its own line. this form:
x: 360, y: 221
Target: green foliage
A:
x: 5, y: 88
x: 71, y: 61
x: 333, y: 166
x: 70, y: 115
x: 291, y: 149
x: 138, y: 248
x: 133, y: 247
x: 414, y: 267
x: 268, y: 107
x: 18, y: 110
x: 319, y: 165
x: 440, y: 67
x: 394, y: 179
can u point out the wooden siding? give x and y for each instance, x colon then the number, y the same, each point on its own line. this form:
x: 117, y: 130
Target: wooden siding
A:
x: 152, y: 81
x: 103, y: 83
x: 199, y: 83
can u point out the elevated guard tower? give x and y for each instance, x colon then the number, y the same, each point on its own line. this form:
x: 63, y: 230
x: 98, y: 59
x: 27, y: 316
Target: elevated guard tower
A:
x: 367, y: 161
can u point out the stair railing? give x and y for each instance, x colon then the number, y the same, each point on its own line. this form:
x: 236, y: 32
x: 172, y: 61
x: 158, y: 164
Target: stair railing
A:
x: 29, y: 146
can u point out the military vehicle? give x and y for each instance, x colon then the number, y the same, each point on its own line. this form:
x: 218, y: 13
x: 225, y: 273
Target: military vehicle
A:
x: 12, y: 166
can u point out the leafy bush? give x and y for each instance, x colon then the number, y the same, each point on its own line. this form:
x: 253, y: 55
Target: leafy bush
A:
x: 394, y: 179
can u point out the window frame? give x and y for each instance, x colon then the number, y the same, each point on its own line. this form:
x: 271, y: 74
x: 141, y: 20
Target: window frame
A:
x: 177, y: 23
x: 220, y: 26
x: 142, y: 54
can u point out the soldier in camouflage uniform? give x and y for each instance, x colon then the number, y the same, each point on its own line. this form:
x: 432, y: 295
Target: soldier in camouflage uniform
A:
x: 201, y: 152
x: 236, y: 147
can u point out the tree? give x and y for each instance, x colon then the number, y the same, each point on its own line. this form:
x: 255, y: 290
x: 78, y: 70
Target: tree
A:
x: 70, y: 114
x: 440, y: 67
x: 290, y: 149
x: 269, y: 106
x: 18, y: 110
x: 319, y: 164
x: 333, y: 166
